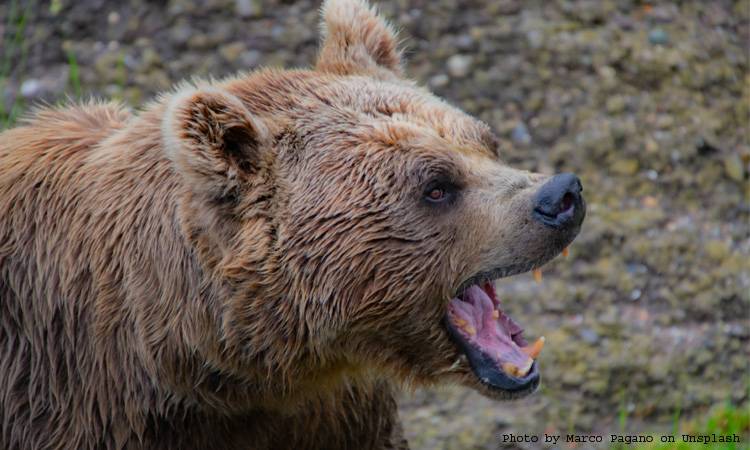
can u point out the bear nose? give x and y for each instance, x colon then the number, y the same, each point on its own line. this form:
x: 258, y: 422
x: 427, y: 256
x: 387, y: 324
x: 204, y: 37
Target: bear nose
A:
x: 559, y: 203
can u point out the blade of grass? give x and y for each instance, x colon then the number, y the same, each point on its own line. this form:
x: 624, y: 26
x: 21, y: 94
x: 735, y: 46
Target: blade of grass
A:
x: 16, y: 48
x: 73, y: 75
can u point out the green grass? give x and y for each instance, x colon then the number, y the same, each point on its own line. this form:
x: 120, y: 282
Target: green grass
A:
x: 14, y: 58
x: 15, y: 53
x: 725, y: 419
x: 74, y: 79
x: 121, y: 78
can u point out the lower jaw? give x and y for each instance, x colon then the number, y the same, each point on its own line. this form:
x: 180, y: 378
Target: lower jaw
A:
x: 484, y: 370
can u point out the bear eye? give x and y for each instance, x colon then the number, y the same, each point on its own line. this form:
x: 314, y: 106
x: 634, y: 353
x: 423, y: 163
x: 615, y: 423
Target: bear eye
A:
x: 436, y: 194
x: 439, y: 192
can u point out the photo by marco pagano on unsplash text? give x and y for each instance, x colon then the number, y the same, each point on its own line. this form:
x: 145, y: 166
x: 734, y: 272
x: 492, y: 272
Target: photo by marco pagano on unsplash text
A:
x: 608, y: 439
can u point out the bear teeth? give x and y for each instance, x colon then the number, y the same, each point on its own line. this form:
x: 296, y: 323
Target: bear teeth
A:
x: 534, y: 349
x: 516, y: 371
x: 537, y: 275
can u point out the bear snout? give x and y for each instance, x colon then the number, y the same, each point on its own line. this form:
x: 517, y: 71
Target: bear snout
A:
x: 559, y: 203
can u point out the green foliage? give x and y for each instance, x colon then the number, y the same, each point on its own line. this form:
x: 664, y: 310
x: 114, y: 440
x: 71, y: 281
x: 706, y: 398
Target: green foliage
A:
x: 55, y: 7
x: 74, y: 79
x: 725, y: 420
x: 15, y: 53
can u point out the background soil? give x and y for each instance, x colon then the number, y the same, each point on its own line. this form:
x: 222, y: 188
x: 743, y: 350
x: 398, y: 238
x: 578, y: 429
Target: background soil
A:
x: 649, y: 317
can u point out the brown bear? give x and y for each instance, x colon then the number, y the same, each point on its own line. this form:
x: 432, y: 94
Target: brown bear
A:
x: 256, y: 263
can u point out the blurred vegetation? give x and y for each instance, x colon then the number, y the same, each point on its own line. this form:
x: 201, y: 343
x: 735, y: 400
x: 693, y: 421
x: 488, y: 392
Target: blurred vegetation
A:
x: 725, y: 419
x: 15, y: 53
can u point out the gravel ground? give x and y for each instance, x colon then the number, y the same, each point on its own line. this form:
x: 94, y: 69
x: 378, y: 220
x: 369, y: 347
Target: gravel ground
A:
x: 649, y: 103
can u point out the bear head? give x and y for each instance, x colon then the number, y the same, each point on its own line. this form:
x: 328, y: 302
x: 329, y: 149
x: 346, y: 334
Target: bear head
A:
x: 354, y: 223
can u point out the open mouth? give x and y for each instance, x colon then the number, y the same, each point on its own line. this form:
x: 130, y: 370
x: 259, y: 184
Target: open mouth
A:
x: 492, y: 341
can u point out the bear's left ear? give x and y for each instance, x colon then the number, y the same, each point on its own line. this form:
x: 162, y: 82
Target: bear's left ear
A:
x: 214, y: 141
x: 357, y: 41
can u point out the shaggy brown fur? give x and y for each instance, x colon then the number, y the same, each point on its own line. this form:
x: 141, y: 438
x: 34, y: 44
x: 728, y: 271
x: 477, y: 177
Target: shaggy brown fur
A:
x: 248, y: 264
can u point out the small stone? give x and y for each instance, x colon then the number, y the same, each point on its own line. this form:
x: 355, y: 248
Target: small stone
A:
x: 734, y: 167
x: 736, y: 330
x: 574, y: 376
x: 113, y: 18
x: 659, y: 367
x: 608, y: 73
x: 464, y: 42
x: 459, y: 65
x: 615, y: 104
x: 31, y: 88
x: 658, y: 36
x: 650, y: 201
x: 717, y: 250
x: 46, y: 87
x: 232, y: 52
x: 596, y: 386
x: 504, y: 7
x: 181, y: 33
x: 535, y: 38
x: 150, y: 58
x: 199, y: 41
x: 55, y: 7
x: 143, y: 42
x: 250, y: 58
x: 589, y: 335
x: 439, y: 80
x: 548, y: 125
x: 248, y: 8
x: 664, y: 121
x: 520, y: 134
x: 626, y: 166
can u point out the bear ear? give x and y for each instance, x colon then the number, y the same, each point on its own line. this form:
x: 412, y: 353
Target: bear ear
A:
x: 213, y: 141
x: 357, y: 41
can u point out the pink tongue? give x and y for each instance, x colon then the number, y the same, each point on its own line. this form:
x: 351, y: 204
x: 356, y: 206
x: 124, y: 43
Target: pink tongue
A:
x: 483, y: 308
x: 474, y: 316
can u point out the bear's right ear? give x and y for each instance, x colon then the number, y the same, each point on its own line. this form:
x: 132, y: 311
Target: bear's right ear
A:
x: 213, y: 141
x: 356, y: 40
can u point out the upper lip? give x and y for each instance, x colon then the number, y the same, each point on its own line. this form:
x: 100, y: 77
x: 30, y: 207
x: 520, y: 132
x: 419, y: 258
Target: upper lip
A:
x: 489, y: 276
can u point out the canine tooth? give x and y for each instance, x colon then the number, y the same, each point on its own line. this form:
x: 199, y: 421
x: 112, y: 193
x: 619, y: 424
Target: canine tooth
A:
x: 534, y: 349
x: 510, y: 368
x: 537, y: 275
x: 471, y: 330
x: 523, y: 370
x: 566, y: 252
x: 461, y: 322
x: 495, y: 314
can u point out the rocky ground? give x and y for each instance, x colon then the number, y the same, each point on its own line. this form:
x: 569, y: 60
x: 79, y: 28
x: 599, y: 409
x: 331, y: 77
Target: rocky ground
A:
x: 649, y: 317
